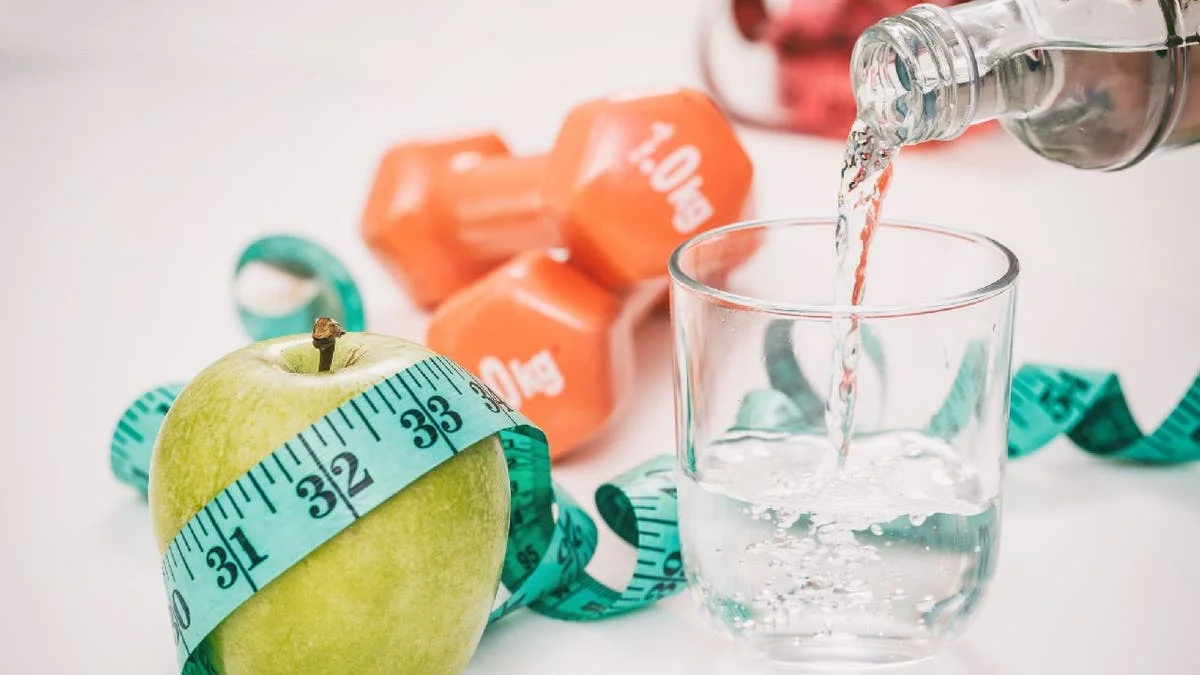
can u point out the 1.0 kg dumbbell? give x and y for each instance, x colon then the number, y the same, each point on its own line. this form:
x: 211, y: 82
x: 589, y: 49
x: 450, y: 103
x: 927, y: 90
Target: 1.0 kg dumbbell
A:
x: 629, y: 178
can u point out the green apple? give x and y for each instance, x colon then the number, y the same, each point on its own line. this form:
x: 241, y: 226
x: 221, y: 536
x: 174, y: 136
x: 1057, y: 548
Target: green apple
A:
x: 405, y: 589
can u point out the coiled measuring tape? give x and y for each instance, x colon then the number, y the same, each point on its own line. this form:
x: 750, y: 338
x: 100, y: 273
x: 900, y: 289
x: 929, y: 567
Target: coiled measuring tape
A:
x: 426, y: 413
x: 337, y: 295
x: 1087, y: 406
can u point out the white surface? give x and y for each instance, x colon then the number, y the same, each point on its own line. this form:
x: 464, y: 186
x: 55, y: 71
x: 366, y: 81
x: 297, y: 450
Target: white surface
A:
x: 142, y: 143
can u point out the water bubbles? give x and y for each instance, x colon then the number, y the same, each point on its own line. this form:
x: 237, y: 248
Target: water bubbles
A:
x: 787, y: 517
x: 798, y: 540
x: 926, y: 604
x: 817, y: 583
x: 855, y: 586
x: 745, y: 625
x: 819, y: 520
x: 835, y: 535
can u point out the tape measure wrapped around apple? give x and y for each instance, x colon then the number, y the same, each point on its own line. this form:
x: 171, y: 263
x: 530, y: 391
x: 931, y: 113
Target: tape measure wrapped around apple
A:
x: 314, y: 504
x: 314, y: 497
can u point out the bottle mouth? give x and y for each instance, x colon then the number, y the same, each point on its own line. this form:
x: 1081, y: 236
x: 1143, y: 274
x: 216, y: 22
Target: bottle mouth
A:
x: 883, y: 90
x: 912, y: 74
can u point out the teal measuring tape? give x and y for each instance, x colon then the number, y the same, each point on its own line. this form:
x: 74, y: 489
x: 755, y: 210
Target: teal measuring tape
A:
x: 1091, y: 409
x: 547, y: 552
x: 1087, y: 406
x: 337, y: 295
x: 133, y: 439
x: 271, y: 517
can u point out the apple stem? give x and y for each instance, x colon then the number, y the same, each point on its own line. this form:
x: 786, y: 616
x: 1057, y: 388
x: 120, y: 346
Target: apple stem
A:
x: 325, y: 333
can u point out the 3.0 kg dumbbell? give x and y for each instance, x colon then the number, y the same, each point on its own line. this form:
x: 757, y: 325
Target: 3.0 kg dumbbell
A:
x: 629, y: 178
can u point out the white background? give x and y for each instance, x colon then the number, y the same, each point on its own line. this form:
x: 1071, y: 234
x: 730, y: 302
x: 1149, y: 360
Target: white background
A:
x: 144, y: 142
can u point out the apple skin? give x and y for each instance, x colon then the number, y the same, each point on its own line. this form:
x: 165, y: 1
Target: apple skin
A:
x: 405, y: 589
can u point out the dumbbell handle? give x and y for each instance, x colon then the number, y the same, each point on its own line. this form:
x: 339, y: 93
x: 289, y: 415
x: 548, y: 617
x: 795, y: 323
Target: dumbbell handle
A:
x: 497, y: 206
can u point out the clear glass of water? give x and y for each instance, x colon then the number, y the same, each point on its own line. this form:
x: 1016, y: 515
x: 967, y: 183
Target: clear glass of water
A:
x: 802, y: 555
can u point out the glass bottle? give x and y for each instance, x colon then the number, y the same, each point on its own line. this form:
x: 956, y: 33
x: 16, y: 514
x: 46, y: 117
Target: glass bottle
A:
x: 1094, y: 84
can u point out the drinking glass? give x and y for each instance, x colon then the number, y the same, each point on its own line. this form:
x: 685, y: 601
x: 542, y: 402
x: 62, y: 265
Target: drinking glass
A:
x: 801, y: 554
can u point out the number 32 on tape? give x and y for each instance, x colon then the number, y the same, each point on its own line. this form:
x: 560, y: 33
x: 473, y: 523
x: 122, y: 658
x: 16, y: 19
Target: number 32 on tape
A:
x: 371, y: 447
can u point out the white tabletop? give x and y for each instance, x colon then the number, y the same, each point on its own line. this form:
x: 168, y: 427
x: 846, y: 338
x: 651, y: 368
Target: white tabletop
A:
x: 142, y: 144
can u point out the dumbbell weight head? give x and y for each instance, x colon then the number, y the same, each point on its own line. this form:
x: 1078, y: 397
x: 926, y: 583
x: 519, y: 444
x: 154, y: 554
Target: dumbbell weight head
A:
x: 401, y: 224
x: 633, y: 176
x: 629, y: 178
x: 548, y: 340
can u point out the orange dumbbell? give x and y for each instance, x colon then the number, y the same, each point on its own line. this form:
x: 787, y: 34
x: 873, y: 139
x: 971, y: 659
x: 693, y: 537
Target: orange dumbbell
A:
x: 629, y: 178
x: 548, y: 340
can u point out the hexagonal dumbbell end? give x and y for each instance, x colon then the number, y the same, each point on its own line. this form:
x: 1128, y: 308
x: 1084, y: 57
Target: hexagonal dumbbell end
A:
x: 631, y: 177
x: 539, y: 333
x: 401, y: 224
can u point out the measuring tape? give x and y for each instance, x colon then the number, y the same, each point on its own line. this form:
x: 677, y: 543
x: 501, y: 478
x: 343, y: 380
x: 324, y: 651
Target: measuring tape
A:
x: 337, y: 296
x: 382, y: 440
x: 785, y: 376
x: 414, y: 420
x: 387, y: 437
x: 1089, y: 407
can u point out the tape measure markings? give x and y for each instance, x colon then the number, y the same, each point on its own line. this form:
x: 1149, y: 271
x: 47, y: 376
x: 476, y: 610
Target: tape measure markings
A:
x: 132, y: 440
x: 333, y: 483
x: 1089, y: 407
x: 341, y: 467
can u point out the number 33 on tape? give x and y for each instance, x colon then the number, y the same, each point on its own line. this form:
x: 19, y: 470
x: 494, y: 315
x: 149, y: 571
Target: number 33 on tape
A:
x: 344, y: 465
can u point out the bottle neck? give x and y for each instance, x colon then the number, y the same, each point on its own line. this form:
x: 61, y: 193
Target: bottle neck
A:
x: 1098, y: 84
x: 931, y: 72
